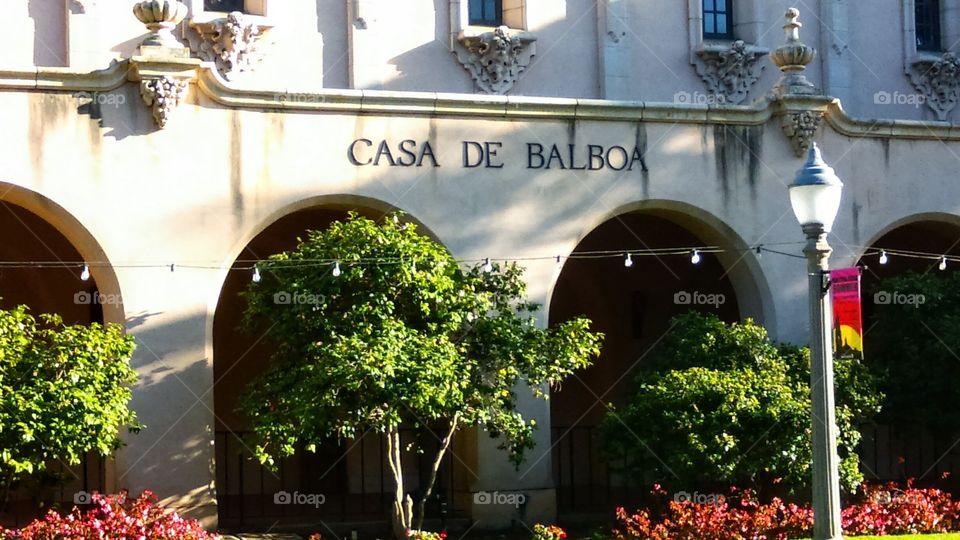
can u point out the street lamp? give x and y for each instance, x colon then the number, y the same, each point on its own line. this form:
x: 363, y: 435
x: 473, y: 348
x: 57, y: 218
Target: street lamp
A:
x: 815, y: 197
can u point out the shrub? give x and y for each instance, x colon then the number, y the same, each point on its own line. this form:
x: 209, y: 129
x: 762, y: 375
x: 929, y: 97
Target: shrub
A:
x: 64, y: 391
x: 714, y: 390
x: 113, y: 518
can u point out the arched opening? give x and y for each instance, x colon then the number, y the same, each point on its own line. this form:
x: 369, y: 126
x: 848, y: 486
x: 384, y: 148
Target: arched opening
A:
x: 892, y: 450
x: 352, y: 476
x: 42, y: 270
x: 633, y: 307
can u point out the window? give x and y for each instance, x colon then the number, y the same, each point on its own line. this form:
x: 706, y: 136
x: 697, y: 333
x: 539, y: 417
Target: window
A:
x: 927, y: 20
x: 717, y: 19
x: 226, y: 6
x: 486, y: 12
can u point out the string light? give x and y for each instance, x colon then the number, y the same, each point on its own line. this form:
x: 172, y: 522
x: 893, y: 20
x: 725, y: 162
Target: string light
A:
x: 695, y: 254
x: 628, y: 261
x: 943, y: 263
x: 336, y: 269
x: 256, y: 275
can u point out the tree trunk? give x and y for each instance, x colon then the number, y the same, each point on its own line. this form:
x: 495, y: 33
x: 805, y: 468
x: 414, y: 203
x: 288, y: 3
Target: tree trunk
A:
x: 402, y: 517
x: 445, y: 444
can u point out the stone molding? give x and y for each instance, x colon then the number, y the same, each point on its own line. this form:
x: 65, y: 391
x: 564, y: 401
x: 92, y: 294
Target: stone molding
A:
x: 231, y: 43
x: 209, y: 82
x: 163, y: 82
x: 495, y: 59
x: 937, y: 78
x: 729, y: 70
x: 800, y: 127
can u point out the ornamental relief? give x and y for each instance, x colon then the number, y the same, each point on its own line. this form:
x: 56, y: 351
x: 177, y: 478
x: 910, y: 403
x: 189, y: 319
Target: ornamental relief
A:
x: 496, y: 59
x: 730, y: 72
x: 938, y: 80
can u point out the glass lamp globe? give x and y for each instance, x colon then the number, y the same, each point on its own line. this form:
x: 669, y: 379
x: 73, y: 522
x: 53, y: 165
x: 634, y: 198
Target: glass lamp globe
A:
x: 815, y: 193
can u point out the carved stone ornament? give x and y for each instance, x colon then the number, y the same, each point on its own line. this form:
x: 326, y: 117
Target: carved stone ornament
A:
x: 792, y: 58
x: 801, y: 126
x: 496, y: 59
x: 230, y: 42
x: 160, y: 18
x: 938, y: 79
x: 730, y: 71
x: 163, y: 95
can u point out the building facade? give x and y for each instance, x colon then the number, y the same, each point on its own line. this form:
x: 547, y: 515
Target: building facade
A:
x: 167, y: 149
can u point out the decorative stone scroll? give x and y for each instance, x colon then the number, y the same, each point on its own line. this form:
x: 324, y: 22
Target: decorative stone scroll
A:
x: 729, y: 72
x: 496, y: 59
x: 938, y: 79
x: 230, y: 42
x: 800, y: 127
x: 163, y: 95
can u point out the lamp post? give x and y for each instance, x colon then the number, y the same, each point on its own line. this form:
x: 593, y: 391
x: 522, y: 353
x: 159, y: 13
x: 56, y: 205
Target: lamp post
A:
x: 815, y: 198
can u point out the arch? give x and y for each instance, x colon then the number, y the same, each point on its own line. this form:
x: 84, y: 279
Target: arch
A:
x: 79, y: 237
x: 931, y: 217
x: 743, y: 269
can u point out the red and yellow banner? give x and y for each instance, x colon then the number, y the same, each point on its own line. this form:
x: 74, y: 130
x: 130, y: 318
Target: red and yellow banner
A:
x: 847, y: 319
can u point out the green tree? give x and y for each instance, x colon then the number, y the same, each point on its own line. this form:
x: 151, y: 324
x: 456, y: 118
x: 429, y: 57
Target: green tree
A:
x: 913, y: 345
x: 719, y: 404
x: 64, y: 391
x: 403, y: 336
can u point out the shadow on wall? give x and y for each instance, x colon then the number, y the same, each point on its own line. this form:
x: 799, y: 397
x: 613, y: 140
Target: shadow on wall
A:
x: 50, y: 36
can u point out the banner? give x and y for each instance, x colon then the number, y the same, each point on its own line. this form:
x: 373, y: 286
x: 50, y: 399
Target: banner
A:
x: 847, y: 320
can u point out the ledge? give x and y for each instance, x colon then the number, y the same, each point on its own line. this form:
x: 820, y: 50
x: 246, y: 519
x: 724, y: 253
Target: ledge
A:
x: 264, y: 97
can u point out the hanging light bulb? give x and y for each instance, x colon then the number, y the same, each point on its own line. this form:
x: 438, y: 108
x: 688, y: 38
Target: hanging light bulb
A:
x: 883, y: 257
x: 759, y: 251
x: 336, y: 269
x: 413, y: 267
x: 256, y: 275
x: 487, y: 266
x: 695, y: 257
x: 628, y: 262
x: 85, y: 273
x: 943, y: 263
x: 558, y: 259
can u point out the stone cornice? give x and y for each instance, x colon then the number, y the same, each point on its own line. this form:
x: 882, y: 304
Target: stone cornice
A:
x: 471, y: 105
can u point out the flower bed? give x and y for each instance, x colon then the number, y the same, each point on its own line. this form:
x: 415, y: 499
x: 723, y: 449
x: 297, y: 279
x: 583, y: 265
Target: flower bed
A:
x: 885, y: 510
x: 115, y: 517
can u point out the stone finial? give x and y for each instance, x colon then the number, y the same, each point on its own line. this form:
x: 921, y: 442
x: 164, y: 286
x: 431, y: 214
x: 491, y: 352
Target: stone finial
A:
x: 792, y: 58
x: 161, y: 17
